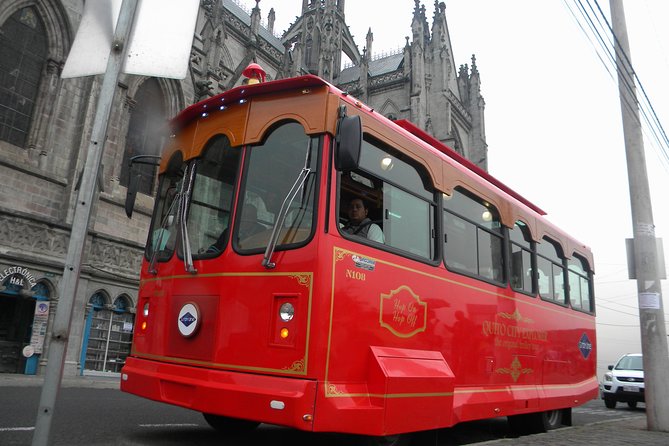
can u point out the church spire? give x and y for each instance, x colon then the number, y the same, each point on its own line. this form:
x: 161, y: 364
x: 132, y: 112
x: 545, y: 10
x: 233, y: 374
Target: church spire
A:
x: 255, y: 19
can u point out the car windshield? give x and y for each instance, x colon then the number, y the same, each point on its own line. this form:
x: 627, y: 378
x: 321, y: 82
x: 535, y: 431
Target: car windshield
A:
x: 630, y: 363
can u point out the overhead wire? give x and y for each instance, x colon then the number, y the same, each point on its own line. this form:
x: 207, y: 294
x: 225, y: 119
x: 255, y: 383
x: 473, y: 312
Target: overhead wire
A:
x: 655, y: 124
x: 605, y: 48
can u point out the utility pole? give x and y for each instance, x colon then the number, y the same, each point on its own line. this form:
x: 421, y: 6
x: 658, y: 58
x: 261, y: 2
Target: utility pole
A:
x: 82, y: 214
x: 649, y: 289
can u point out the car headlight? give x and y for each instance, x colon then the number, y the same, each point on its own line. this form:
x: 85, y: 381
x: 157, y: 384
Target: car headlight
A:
x: 608, y: 376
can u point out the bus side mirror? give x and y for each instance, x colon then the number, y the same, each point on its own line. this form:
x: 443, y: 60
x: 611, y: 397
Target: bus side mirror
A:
x: 133, y: 182
x: 349, y: 143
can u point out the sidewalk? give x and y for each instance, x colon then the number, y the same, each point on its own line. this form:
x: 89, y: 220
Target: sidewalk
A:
x: 95, y: 382
x: 619, y: 432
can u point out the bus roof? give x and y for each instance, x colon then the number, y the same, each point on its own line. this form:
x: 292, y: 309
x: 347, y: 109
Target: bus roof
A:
x: 243, y: 91
x: 443, y: 148
x: 240, y: 93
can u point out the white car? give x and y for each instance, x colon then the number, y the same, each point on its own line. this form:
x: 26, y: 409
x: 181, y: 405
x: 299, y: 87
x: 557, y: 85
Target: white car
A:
x: 624, y: 382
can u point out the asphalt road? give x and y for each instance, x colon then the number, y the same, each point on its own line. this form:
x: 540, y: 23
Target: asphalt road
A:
x: 109, y: 417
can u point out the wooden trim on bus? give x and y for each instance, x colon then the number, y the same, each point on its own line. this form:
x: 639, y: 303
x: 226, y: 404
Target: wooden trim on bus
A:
x: 314, y: 104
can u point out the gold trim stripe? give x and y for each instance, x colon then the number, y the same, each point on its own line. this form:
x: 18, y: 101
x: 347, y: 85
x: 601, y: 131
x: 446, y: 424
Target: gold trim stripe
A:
x: 215, y: 365
x: 228, y: 274
x: 460, y: 391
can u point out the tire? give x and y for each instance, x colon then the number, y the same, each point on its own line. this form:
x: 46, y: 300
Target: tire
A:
x: 609, y: 402
x: 535, y: 423
x: 551, y: 419
x: 632, y: 404
x: 388, y: 440
x: 229, y: 425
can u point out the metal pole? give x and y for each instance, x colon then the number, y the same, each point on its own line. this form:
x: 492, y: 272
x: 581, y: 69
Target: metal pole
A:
x: 649, y: 289
x: 82, y: 212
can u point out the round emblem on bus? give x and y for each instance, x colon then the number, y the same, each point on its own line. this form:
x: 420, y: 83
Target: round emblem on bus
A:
x: 188, y: 320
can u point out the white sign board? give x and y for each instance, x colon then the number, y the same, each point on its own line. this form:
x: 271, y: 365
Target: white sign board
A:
x: 159, y: 45
x: 40, y: 321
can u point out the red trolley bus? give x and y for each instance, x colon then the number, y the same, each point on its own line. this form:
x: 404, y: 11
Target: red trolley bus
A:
x: 313, y: 264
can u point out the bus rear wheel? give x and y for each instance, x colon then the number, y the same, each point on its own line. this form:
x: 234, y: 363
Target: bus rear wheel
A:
x: 388, y: 440
x: 535, y: 423
x: 229, y: 425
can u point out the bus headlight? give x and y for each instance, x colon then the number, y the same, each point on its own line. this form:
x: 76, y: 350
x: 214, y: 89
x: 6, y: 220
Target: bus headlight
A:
x: 286, y: 311
x: 145, y: 315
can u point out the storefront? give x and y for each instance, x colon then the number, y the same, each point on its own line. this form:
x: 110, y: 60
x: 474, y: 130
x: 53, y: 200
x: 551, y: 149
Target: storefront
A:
x: 100, y: 332
x: 24, y: 314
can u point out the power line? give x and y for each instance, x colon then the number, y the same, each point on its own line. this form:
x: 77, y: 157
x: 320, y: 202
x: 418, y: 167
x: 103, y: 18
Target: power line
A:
x: 597, y: 29
x: 657, y: 129
x: 618, y: 325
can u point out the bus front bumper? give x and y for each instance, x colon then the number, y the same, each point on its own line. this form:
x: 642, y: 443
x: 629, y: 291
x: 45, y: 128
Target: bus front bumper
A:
x: 268, y: 399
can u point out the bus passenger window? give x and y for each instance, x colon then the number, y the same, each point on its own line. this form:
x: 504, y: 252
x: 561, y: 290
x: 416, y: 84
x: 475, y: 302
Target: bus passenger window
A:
x: 551, y: 272
x: 522, y: 276
x: 408, y: 221
x: 579, y: 284
x: 473, y: 241
x: 399, y: 200
x: 359, y: 223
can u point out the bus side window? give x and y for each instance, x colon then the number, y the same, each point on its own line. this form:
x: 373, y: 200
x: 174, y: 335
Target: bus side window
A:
x: 551, y: 271
x: 406, y: 209
x: 473, y: 237
x: 580, y: 296
x: 522, y: 254
x: 359, y: 221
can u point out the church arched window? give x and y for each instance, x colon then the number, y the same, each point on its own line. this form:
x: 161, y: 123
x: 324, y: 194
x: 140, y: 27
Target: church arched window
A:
x: 145, y: 132
x: 23, y: 51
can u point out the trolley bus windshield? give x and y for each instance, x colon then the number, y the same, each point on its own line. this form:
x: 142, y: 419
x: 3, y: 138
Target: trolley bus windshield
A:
x: 275, y: 202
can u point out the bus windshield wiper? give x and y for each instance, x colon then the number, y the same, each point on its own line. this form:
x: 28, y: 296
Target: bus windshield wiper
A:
x: 281, y: 218
x: 183, y: 213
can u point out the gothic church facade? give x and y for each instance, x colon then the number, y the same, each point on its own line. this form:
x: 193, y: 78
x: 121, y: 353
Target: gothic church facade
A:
x: 46, y: 122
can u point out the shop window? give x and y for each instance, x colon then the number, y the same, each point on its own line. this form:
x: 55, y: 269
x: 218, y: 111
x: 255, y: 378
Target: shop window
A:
x: 108, y: 334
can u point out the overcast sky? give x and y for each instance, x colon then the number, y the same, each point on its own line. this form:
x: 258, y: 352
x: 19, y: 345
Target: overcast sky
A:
x: 553, y: 120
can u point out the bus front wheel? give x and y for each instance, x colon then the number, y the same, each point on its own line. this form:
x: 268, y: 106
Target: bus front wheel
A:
x: 229, y: 425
